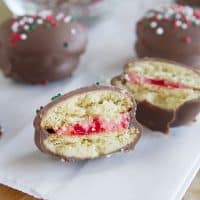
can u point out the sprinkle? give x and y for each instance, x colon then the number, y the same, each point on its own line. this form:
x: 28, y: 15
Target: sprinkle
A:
x: 153, y: 24
x: 188, y: 10
x: 22, y: 22
x: 184, y: 26
x: 65, y: 44
x: 178, y: 16
x: 197, y: 14
x: 56, y: 96
x: 67, y: 19
x: 38, y: 110
x: 30, y: 20
x: 177, y: 23
x: 60, y: 16
x: 160, y: 31
x: 187, y: 39
x: 146, y: 24
x: 23, y: 36
x: 15, y: 27
x: 26, y: 28
x: 39, y: 21
x: 73, y: 31
x: 159, y: 17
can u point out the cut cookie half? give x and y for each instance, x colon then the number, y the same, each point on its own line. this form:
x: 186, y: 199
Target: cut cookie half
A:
x: 88, y: 123
x: 167, y: 93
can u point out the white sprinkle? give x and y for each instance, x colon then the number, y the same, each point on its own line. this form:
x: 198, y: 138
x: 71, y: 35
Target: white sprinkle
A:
x: 178, y: 16
x: 23, y: 36
x: 159, y: 17
x: 30, y: 20
x: 22, y: 22
x: 178, y: 23
x: 184, y: 26
x: 67, y: 19
x: 170, y: 11
x: 108, y: 156
x: 73, y: 31
x: 26, y: 27
x: 93, y: 129
x: 60, y: 16
x: 160, y: 31
x: 62, y: 160
x: 44, y: 13
x: 197, y: 22
x: 188, y: 11
x: 39, y: 21
x: 153, y: 24
x: 15, y: 27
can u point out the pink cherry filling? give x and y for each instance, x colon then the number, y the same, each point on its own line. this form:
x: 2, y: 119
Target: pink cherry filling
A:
x: 95, y: 125
x: 139, y: 79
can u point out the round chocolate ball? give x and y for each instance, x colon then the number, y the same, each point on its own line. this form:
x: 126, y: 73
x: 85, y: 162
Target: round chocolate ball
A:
x: 189, y: 2
x: 41, y: 48
x: 172, y: 33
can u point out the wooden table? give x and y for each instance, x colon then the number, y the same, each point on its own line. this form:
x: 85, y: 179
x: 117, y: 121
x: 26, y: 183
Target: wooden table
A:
x: 7, y: 193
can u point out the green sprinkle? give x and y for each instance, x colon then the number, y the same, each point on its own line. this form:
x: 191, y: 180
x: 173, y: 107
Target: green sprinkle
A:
x: 146, y: 24
x: 173, y: 16
x: 65, y: 44
x: 33, y: 26
x: 38, y: 110
x: 56, y: 96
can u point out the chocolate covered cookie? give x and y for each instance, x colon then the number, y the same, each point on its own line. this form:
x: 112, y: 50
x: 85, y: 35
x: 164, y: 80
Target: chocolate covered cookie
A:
x: 41, y: 48
x: 87, y: 123
x: 172, y: 33
x: 167, y: 93
x: 189, y: 2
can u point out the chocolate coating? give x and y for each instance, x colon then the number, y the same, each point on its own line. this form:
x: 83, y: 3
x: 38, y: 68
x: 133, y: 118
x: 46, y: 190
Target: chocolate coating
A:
x: 41, y: 134
x: 46, y: 52
x: 159, y: 119
x: 161, y: 35
x: 1, y: 131
x: 189, y: 2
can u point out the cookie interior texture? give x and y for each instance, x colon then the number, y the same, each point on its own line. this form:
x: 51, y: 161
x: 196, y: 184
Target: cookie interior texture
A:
x: 81, y: 108
x: 168, y: 98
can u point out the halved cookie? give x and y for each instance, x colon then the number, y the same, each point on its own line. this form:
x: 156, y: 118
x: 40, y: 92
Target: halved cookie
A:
x: 88, y: 123
x: 167, y: 93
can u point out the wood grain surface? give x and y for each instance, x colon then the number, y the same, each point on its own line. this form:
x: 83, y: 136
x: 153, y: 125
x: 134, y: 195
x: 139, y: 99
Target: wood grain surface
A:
x: 7, y: 193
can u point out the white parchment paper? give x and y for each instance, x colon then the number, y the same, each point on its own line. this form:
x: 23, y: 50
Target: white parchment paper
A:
x: 161, y: 167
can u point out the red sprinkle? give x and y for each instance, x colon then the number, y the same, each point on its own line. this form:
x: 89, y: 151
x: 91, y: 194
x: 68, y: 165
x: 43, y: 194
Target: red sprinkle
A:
x: 197, y: 14
x: 175, y: 24
x: 187, y: 39
x: 15, y: 37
